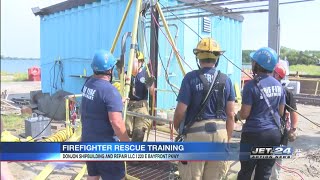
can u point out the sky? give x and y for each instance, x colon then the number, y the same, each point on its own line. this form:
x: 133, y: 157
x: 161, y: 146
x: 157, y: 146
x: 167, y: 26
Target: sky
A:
x: 300, y: 27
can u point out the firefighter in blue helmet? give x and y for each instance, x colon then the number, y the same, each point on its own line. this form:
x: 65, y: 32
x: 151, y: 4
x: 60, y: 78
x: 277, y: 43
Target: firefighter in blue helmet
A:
x: 262, y: 106
x: 215, y: 123
x: 101, y: 115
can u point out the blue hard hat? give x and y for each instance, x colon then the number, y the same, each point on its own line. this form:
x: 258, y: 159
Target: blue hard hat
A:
x: 266, y: 57
x: 103, y: 61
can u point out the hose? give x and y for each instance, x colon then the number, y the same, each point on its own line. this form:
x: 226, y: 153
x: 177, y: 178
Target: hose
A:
x: 60, y: 136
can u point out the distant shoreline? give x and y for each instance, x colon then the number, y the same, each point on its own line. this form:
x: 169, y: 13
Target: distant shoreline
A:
x: 21, y: 59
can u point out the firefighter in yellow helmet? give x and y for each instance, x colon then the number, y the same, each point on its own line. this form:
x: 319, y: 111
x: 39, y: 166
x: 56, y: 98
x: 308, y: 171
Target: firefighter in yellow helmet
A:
x: 140, y: 83
x: 206, y: 119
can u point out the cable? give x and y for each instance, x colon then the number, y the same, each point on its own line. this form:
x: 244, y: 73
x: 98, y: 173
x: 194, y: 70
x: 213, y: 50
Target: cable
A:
x: 292, y: 171
x: 170, y: 41
x: 303, y: 116
x: 33, y: 138
x: 149, y: 61
x: 286, y: 104
x: 166, y: 73
x: 234, y: 63
x: 180, y: 20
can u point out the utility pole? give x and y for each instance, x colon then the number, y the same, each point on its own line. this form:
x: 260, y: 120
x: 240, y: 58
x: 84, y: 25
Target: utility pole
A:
x: 154, y: 51
x: 274, y: 26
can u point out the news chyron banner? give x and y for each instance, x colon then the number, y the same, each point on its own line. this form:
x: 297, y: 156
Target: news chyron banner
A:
x: 146, y: 151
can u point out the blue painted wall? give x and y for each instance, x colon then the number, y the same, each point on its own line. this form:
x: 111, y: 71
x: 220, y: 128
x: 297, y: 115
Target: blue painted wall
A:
x: 69, y: 39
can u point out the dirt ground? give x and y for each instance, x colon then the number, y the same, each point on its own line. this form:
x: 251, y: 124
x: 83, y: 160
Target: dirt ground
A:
x: 306, y: 162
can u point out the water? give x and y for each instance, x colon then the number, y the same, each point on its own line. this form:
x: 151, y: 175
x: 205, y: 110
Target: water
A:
x: 17, y: 66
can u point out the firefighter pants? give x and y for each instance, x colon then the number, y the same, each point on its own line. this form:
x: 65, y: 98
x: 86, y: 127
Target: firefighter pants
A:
x: 136, y: 126
x: 262, y: 167
x: 205, y: 170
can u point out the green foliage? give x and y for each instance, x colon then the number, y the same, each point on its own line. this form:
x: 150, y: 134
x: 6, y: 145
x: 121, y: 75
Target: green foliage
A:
x: 13, y: 121
x: 4, y: 73
x: 20, y: 77
x: 246, y: 56
x: 305, y: 69
x: 5, y: 76
x: 293, y: 56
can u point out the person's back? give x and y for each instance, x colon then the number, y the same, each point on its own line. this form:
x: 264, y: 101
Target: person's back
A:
x: 194, y: 93
x: 215, y: 123
x: 101, y: 115
x: 99, y: 97
x: 262, y: 105
x: 260, y: 117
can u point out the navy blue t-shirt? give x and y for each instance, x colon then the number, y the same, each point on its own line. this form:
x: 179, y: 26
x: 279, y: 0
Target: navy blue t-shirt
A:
x: 98, y: 98
x: 191, y: 93
x: 138, y: 89
x: 260, y: 117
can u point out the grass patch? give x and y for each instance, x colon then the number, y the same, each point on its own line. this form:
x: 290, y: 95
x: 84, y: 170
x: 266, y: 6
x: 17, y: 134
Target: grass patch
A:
x: 305, y: 69
x: 9, y: 77
x: 4, y: 73
x: 13, y: 121
x: 20, y: 76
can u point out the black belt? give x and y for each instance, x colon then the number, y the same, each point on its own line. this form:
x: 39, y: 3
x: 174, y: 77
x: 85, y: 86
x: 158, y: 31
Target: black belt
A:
x: 209, y: 127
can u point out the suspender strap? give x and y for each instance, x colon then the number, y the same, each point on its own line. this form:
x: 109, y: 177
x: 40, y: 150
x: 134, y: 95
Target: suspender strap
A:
x: 203, y: 103
x: 205, y: 82
x: 257, y: 80
x: 221, y: 97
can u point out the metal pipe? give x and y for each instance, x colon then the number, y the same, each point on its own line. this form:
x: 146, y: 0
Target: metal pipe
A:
x: 155, y: 118
x: 170, y: 38
x: 208, y: 4
x: 154, y: 54
x: 120, y: 26
x: 67, y: 115
x: 123, y: 51
x: 132, y: 53
x: 196, y: 5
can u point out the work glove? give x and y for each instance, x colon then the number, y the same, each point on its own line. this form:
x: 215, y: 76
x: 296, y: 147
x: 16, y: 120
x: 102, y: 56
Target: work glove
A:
x: 149, y: 81
x: 237, y: 117
x: 117, y: 86
x: 292, y: 135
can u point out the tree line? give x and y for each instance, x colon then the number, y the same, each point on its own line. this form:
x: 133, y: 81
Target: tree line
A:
x: 293, y: 56
x: 18, y: 58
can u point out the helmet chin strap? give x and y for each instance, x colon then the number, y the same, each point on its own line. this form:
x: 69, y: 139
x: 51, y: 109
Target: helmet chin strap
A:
x: 255, y: 69
x: 197, y: 60
x: 110, y: 74
x: 217, y: 62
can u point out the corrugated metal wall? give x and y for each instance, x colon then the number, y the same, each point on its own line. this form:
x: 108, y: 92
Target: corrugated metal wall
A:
x: 73, y: 35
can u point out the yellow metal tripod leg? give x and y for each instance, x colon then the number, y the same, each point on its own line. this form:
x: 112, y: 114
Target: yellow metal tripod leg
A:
x: 165, y: 24
x: 81, y: 173
x: 120, y: 26
x: 45, y: 172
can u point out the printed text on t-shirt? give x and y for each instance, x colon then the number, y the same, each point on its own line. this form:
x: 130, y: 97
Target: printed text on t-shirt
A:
x: 88, y: 93
x: 272, y: 91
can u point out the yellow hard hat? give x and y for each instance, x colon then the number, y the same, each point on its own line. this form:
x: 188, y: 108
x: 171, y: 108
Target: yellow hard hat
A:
x: 207, y: 48
x: 140, y: 56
